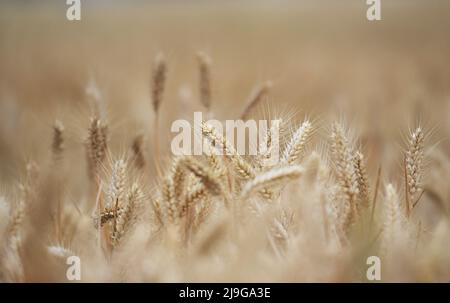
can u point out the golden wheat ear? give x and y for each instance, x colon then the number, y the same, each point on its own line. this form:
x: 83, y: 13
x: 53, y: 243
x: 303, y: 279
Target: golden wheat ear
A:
x: 129, y: 215
x: 207, y: 176
x: 243, y: 168
x: 271, y: 178
x: 413, y: 162
x: 96, y: 146
x: 266, y: 147
x: 296, y: 146
x: 362, y: 179
x: 109, y: 213
x: 343, y: 160
x: 194, y: 195
x: 171, y: 203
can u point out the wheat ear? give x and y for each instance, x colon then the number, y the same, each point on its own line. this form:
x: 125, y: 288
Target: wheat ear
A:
x: 158, y: 81
x: 413, y: 165
x: 266, y: 146
x: 393, y: 215
x: 345, y: 172
x: 129, y: 216
x: 193, y: 195
x: 96, y: 146
x: 178, y: 175
x: 244, y: 170
x: 138, y: 152
x: 208, y: 177
x: 255, y: 98
x: 296, y: 145
x: 216, y: 163
x: 158, y: 85
x: 271, y: 178
x: 58, y: 140
x: 117, y: 184
x: 10, y: 259
x: 204, y: 65
x: 115, y: 199
x: 362, y: 179
x: 168, y: 195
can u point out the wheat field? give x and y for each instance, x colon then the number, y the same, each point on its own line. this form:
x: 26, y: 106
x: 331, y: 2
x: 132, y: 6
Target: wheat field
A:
x: 86, y: 167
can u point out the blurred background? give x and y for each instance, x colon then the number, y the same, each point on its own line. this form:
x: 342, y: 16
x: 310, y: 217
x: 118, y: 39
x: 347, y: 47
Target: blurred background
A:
x: 324, y: 58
